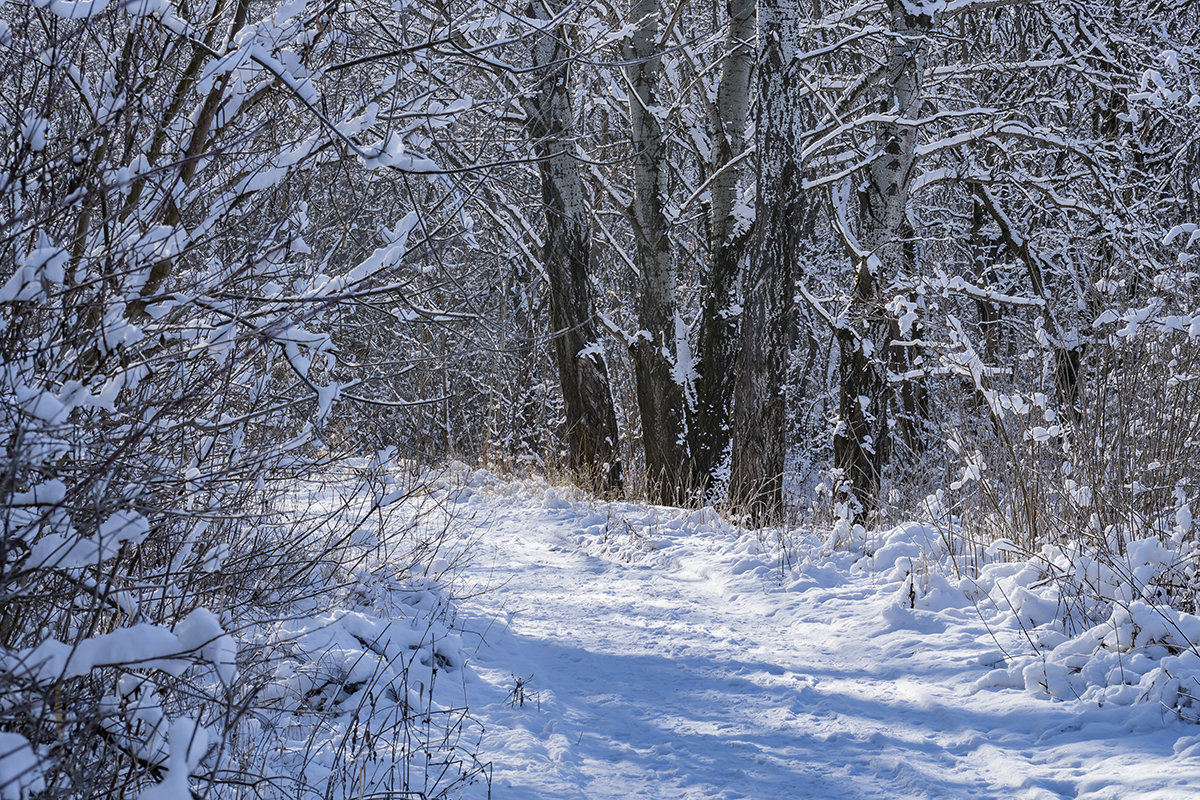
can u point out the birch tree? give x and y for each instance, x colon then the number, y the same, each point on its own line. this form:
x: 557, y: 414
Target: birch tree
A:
x: 655, y: 346
x: 758, y: 450
x: 863, y: 435
x: 729, y: 239
x: 591, y: 423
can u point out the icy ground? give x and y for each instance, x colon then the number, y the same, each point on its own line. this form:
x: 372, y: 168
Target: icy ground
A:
x: 633, y: 652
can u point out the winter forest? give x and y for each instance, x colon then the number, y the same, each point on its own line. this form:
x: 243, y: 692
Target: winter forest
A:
x: 452, y: 399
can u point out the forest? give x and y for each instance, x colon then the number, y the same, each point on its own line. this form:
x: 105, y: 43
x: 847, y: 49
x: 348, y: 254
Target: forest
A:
x: 275, y: 275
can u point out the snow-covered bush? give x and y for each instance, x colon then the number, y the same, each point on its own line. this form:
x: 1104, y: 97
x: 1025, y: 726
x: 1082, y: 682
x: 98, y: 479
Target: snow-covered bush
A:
x: 1081, y: 517
x: 1099, y: 628
x: 1070, y: 622
x: 167, y: 380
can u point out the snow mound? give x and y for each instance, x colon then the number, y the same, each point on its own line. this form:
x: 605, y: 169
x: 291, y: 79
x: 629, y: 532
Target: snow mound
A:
x: 1099, y: 626
x: 1078, y: 623
x: 363, y: 698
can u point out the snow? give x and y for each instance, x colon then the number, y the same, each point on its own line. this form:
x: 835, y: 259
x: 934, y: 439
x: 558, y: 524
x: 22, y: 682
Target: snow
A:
x: 144, y: 645
x: 202, y: 632
x: 43, y: 265
x: 683, y: 367
x: 19, y: 769
x: 387, y: 668
x: 627, y: 651
x: 743, y: 213
x: 69, y: 550
x: 84, y: 9
x: 594, y: 350
x: 40, y: 404
x: 188, y: 744
x: 619, y: 650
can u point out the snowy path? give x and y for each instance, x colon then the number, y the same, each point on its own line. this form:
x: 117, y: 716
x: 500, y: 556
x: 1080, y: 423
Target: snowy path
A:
x: 688, y: 671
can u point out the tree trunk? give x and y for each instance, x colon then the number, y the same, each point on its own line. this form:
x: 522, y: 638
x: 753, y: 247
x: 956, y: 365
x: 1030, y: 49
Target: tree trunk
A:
x: 655, y: 348
x: 591, y: 422
x: 985, y: 254
x: 906, y: 356
x: 756, y: 476
x: 861, y: 443
x: 708, y: 425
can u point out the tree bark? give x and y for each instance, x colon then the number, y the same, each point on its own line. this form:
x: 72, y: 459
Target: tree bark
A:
x: 591, y: 422
x: 708, y: 425
x: 655, y: 347
x: 756, y: 476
